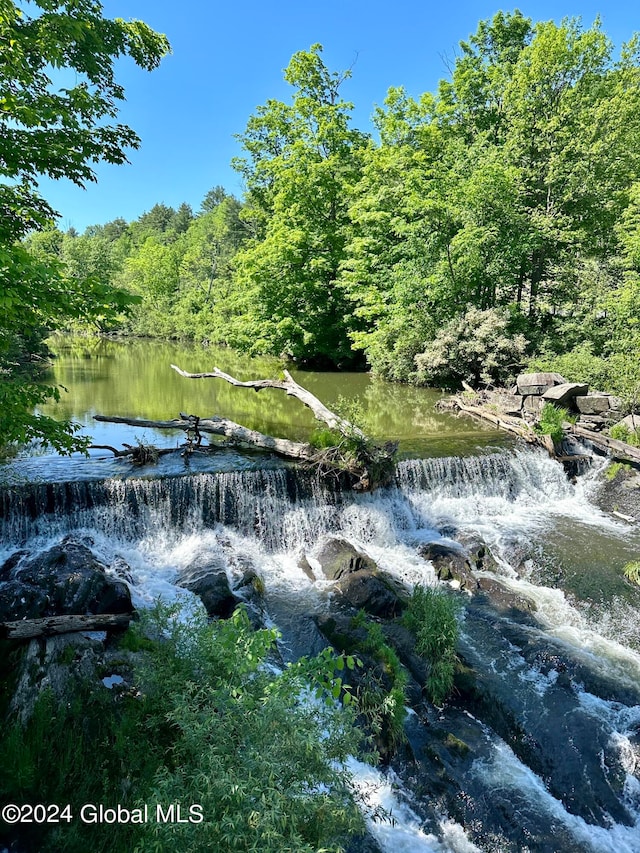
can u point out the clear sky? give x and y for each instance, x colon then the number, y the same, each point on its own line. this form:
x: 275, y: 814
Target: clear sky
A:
x: 228, y: 58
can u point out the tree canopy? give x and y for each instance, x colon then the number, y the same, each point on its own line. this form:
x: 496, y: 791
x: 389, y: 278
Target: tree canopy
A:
x: 47, y: 129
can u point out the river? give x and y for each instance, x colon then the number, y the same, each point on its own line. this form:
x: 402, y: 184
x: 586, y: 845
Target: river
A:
x: 551, y: 728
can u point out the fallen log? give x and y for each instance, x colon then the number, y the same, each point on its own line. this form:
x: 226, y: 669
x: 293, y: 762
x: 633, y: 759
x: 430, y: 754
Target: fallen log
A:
x: 221, y: 426
x: 513, y: 425
x: 618, y: 450
x: 366, y: 463
x: 27, y: 629
x: 290, y: 387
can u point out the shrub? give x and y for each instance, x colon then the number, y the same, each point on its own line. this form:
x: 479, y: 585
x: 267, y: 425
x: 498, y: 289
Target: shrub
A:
x: 623, y: 433
x: 477, y: 347
x: 207, y: 723
x: 432, y: 616
x: 632, y: 571
x: 323, y: 437
x: 551, y: 420
x: 615, y: 468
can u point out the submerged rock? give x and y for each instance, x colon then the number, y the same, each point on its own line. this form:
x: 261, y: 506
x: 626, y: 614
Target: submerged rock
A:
x: 502, y: 598
x: 65, y: 579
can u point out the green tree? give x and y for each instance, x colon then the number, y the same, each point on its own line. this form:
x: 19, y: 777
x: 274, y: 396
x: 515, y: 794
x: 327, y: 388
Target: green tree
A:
x: 152, y: 273
x: 503, y: 188
x: 302, y: 158
x: 47, y: 129
x: 206, y: 290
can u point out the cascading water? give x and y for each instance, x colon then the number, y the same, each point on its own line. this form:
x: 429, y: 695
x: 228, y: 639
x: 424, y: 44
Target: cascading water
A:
x: 553, y: 736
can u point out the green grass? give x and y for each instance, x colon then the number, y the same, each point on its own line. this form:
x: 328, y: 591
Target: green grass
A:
x: 382, y: 707
x: 632, y: 571
x: 622, y: 433
x: 432, y: 616
x: 550, y: 421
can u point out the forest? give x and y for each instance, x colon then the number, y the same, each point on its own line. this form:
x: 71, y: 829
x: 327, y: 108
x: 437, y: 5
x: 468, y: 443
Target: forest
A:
x: 489, y: 225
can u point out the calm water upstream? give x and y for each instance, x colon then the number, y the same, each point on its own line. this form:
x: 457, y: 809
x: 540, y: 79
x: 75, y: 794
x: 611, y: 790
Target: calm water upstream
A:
x: 134, y: 379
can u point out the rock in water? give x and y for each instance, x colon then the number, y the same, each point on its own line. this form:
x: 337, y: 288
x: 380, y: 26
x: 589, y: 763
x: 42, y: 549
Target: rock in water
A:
x: 338, y: 557
x: 374, y: 592
x: 209, y: 581
x: 65, y: 579
x: 450, y: 564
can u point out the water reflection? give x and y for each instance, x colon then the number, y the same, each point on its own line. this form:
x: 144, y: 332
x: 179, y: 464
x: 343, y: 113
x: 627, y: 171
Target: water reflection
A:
x: 133, y: 378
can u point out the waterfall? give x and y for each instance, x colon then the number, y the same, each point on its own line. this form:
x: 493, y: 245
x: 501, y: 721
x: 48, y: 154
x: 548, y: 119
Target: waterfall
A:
x: 555, y: 668
x: 252, y: 502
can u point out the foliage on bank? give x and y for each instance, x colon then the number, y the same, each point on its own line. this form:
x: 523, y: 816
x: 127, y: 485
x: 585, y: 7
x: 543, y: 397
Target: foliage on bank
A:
x: 58, y: 133
x: 206, y: 721
x: 432, y: 616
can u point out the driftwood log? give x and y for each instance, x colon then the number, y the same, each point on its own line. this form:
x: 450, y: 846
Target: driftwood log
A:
x: 27, y: 629
x: 290, y: 387
x: 365, y: 463
x: 516, y: 426
x: 619, y: 450
x: 222, y: 426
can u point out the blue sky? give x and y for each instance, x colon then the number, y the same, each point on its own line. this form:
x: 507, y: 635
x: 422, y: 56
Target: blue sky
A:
x: 228, y: 58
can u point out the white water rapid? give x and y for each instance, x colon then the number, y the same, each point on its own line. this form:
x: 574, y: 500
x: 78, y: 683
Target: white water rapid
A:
x: 554, y: 737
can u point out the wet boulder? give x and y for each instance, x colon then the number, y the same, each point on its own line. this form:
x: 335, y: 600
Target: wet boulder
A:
x: 65, y: 579
x: 403, y: 642
x: 337, y: 558
x: 344, y: 633
x: 477, y: 554
x: 450, y: 563
x: 208, y: 580
x: 374, y: 592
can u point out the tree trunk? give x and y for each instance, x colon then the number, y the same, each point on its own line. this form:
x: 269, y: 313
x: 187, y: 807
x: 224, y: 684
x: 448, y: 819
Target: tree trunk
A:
x: 291, y: 387
x: 222, y: 426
